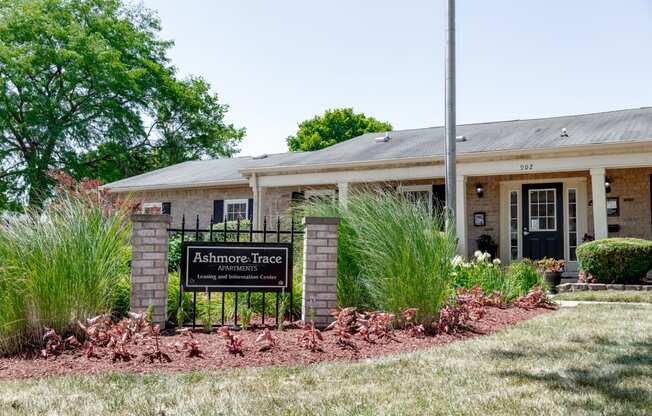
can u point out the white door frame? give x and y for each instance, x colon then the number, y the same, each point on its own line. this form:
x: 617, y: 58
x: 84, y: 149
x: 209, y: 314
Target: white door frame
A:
x: 577, y: 183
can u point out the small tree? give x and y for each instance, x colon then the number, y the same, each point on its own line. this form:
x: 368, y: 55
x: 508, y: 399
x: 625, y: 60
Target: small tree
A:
x: 333, y: 127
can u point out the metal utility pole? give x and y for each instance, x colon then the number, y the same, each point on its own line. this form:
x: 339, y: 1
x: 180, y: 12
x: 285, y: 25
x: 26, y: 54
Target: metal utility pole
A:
x: 450, y: 111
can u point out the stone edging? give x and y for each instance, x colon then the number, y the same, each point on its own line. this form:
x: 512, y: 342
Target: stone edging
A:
x: 579, y: 287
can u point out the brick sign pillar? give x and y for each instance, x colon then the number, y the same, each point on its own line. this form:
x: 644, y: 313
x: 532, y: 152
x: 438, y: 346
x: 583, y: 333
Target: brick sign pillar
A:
x: 319, y: 269
x: 149, y: 264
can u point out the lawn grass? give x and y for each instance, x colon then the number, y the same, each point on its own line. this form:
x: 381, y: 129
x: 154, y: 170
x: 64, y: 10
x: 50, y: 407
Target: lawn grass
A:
x: 609, y: 296
x: 591, y: 359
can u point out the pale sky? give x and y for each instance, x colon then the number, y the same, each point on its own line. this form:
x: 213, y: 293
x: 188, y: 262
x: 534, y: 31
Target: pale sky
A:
x: 277, y: 63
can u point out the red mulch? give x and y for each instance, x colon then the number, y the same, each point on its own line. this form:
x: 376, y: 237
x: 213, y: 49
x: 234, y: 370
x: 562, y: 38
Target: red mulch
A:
x: 288, y: 351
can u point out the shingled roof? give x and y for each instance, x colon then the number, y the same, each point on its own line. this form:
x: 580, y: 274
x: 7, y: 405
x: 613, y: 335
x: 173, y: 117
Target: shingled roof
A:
x: 622, y: 126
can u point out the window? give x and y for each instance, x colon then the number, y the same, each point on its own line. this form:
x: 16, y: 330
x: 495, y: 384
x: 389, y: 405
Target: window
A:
x: 513, y: 225
x: 236, y: 209
x: 152, y: 208
x: 572, y: 224
x: 543, y: 209
x: 313, y: 194
x: 166, y: 208
x: 419, y: 195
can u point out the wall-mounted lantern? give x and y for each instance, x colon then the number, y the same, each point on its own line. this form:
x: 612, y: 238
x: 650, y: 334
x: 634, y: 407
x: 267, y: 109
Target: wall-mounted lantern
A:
x: 607, y: 184
x: 479, y: 190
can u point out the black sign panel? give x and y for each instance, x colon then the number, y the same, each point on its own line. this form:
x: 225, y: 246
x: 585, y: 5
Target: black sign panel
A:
x: 224, y: 267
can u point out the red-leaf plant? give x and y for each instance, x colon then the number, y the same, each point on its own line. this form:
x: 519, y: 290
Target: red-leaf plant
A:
x: 311, y: 338
x: 467, y: 307
x: 55, y: 344
x: 101, y: 332
x: 266, y: 340
x: 414, y: 330
x: 377, y: 324
x: 190, y: 344
x: 536, y: 298
x: 154, y: 352
x: 234, y: 343
x: 345, y: 324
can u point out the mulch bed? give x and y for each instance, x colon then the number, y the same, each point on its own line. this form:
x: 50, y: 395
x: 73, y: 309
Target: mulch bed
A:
x: 288, y: 351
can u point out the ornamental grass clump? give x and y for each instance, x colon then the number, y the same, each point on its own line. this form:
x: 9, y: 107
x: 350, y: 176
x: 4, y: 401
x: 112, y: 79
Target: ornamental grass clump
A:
x: 60, y: 265
x: 393, y: 254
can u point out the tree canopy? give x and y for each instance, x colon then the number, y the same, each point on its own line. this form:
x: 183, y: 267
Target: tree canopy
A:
x: 87, y: 86
x: 334, y: 126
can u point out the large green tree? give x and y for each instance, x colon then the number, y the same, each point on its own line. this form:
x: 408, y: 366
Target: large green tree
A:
x: 87, y: 86
x: 332, y: 127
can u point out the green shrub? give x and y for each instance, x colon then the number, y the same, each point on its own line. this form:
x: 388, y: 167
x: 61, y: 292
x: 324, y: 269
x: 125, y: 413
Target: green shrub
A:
x: 616, y: 260
x: 523, y: 276
x: 57, y: 266
x: 392, y: 254
x: 121, y: 298
x: 174, y: 253
x: 519, y: 278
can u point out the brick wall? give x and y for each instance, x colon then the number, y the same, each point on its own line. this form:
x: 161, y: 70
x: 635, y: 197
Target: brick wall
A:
x: 277, y: 201
x: 193, y: 202
x: 632, y: 187
x: 319, y: 270
x: 149, y: 264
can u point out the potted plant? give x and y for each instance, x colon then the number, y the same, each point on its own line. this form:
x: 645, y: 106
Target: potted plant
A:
x: 552, y: 270
x: 486, y: 244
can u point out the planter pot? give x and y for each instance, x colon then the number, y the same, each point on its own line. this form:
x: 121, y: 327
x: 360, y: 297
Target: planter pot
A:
x: 553, y: 279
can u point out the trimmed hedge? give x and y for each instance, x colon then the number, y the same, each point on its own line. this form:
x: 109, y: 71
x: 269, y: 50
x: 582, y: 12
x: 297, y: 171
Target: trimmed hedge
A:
x: 616, y: 260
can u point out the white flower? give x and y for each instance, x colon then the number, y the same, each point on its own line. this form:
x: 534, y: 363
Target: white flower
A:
x: 497, y: 262
x: 478, y: 254
x: 457, y: 260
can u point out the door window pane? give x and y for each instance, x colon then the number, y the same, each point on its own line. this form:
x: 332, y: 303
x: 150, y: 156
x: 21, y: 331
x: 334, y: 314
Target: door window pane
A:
x: 543, y: 210
x: 572, y: 224
x: 513, y: 225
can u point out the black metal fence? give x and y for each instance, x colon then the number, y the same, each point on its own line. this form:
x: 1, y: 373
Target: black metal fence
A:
x: 280, y: 231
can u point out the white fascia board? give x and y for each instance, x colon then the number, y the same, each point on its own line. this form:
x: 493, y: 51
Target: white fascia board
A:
x: 555, y: 164
x: 354, y: 176
x: 337, y: 165
x: 128, y: 189
x: 483, y: 168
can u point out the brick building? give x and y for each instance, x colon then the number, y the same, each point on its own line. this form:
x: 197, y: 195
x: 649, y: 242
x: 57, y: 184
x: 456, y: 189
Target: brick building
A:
x: 538, y: 187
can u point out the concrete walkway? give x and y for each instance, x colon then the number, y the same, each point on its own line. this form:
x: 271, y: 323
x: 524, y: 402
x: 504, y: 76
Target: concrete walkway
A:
x: 574, y: 303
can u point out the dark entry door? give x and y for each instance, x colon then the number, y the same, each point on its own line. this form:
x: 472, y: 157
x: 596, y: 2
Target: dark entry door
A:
x: 543, y: 220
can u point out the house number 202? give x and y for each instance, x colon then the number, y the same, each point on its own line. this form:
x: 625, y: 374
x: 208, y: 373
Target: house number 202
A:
x: 527, y: 166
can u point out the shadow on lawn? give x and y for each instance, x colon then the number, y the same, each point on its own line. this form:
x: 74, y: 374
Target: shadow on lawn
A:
x: 614, y: 365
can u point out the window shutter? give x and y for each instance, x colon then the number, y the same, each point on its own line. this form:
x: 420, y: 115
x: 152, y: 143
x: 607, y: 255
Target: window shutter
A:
x: 218, y: 211
x: 250, y: 209
x: 166, y: 208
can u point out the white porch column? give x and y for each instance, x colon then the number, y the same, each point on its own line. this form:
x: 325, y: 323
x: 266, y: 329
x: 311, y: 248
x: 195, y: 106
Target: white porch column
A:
x: 343, y: 193
x: 460, y: 214
x: 599, y: 203
x: 258, y: 207
x: 253, y: 183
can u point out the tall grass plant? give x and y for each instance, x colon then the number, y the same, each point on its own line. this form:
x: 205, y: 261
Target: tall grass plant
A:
x: 393, y: 253
x: 59, y: 265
